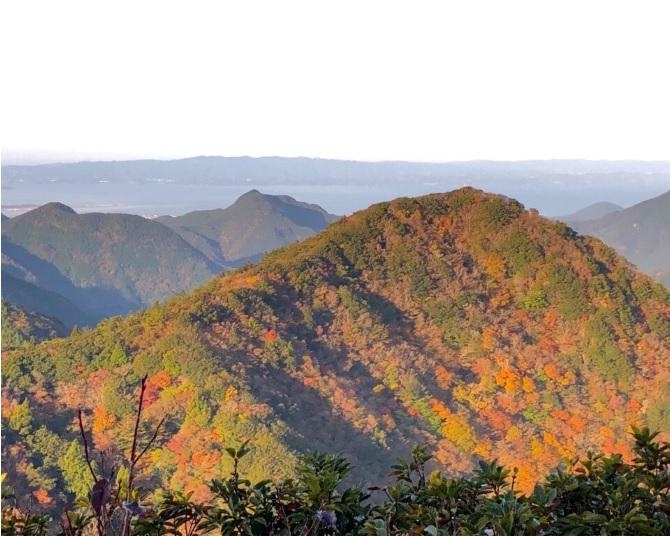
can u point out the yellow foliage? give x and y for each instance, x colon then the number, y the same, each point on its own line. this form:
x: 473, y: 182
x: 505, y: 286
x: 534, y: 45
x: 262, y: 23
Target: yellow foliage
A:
x: 513, y: 433
x: 494, y: 265
x: 230, y: 394
x: 483, y: 449
x: 102, y: 420
x: 536, y: 448
x: 509, y: 380
x: 527, y: 384
x: 456, y: 429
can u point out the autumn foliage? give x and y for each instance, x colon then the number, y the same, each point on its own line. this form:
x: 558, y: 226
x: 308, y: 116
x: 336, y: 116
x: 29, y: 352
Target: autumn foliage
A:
x: 459, y: 320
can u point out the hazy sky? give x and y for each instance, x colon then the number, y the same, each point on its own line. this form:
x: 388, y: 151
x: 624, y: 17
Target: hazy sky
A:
x: 361, y: 80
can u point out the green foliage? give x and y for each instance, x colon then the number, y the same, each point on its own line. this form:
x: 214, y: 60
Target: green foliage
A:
x: 351, y: 302
x: 198, y: 413
x: 48, y: 445
x: 10, y: 335
x: 567, y: 292
x: 520, y: 252
x: 130, y: 260
x: 660, y: 324
x: 596, y: 495
x: 535, y: 415
x: 118, y: 357
x: 405, y: 263
x: 449, y: 315
x: 494, y: 213
x: 535, y: 299
x: 603, y: 353
x: 280, y: 351
x: 337, y: 343
x: 658, y: 413
x: 114, y: 396
x: 76, y: 474
x: 21, y: 418
x: 20, y: 326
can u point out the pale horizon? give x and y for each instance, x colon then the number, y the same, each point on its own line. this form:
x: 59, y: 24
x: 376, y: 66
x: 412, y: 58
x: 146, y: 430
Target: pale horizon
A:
x: 25, y: 160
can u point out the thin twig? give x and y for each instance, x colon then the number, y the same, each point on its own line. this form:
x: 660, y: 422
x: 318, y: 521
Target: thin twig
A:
x: 133, y: 450
x: 153, y: 438
x: 85, y: 441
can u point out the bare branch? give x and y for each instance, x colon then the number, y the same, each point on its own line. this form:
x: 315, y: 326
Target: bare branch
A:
x: 85, y: 441
x: 153, y: 438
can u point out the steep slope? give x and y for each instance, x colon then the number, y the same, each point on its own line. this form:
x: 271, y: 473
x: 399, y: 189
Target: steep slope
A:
x: 19, y: 326
x: 641, y: 233
x: 255, y: 224
x: 34, y: 299
x: 104, y: 263
x: 459, y: 320
x: 592, y: 212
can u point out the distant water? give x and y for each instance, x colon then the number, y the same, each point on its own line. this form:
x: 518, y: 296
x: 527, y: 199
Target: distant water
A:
x: 160, y: 198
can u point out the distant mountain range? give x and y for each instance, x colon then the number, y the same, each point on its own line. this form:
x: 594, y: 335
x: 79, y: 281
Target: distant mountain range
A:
x: 641, y: 233
x: 154, y: 187
x: 271, y: 169
x: 80, y: 268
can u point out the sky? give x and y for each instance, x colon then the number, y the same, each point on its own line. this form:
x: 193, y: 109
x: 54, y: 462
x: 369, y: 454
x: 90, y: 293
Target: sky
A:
x: 424, y: 81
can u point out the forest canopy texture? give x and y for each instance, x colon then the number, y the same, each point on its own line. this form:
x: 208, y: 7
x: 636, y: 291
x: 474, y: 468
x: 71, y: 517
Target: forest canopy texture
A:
x: 459, y: 321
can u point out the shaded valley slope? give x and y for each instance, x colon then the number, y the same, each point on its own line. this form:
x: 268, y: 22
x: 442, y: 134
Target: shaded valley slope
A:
x: 459, y: 320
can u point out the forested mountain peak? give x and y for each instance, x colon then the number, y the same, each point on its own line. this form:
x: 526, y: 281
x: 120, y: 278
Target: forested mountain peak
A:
x: 254, y: 224
x: 103, y: 263
x: 460, y: 320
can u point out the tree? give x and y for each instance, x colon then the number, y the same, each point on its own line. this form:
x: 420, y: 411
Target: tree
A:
x: 21, y: 418
x: 76, y: 474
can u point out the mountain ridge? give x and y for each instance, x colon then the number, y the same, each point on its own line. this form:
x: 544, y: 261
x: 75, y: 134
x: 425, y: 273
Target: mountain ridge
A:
x: 591, y: 212
x: 640, y: 232
x: 459, y: 320
x: 253, y: 225
x: 103, y: 263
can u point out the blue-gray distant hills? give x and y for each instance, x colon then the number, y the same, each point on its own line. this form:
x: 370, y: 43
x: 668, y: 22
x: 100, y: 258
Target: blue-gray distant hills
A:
x: 155, y: 187
x: 271, y: 169
x: 80, y: 268
x: 592, y: 212
x: 641, y: 233
x: 255, y: 224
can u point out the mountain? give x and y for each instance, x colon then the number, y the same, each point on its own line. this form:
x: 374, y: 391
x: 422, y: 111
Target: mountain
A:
x: 19, y: 326
x: 592, y: 212
x: 177, y: 186
x: 273, y: 169
x: 34, y: 299
x: 104, y: 264
x: 459, y: 320
x: 255, y: 224
x: 641, y: 233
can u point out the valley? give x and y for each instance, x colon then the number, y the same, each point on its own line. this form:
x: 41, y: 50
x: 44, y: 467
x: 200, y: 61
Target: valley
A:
x: 459, y: 320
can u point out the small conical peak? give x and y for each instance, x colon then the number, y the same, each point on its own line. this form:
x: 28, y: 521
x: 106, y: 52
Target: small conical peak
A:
x: 251, y: 196
x: 55, y: 207
x: 251, y: 193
